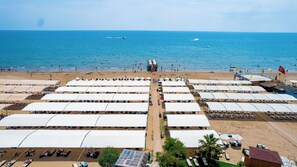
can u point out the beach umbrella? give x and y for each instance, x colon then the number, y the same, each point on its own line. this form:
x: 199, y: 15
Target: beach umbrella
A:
x: 237, y: 137
x: 224, y: 137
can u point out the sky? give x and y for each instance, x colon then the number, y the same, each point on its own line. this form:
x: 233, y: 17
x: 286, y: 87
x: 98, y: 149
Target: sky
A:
x: 180, y: 15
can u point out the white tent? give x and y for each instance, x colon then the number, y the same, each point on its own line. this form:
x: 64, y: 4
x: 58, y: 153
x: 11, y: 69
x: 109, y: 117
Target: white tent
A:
x: 75, y: 120
x: 218, y: 82
x: 173, y: 83
x: 28, y: 82
x: 252, y: 107
x: 55, y: 139
x: 26, y: 120
x: 115, y: 138
x: 96, y: 97
x: 187, y: 120
x: 103, y: 89
x: 178, y: 97
x: 176, y: 89
x: 122, y: 120
x: 182, y: 107
x: 85, y: 106
x: 13, y: 138
x: 42, y: 106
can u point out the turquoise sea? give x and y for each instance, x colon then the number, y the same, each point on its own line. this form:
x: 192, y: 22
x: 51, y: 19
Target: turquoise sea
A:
x: 119, y: 50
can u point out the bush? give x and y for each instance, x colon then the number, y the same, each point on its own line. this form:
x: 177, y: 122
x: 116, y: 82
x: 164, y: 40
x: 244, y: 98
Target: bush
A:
x: 109, y: 157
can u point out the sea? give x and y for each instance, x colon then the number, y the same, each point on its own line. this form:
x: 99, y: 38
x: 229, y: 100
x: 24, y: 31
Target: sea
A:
x: 130, y: 50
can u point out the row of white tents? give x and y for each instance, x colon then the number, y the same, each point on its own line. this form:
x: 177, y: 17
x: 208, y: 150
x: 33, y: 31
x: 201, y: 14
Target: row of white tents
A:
x: 75, y: 120
x: 173, y: 83
x: 96, y: 97
x: 13, y: 97
x: 84, y: 107
x: 67, y: 89
x: 229, y: 88
x: 247, y: 96
x: 29, y: 82
x: 218, y: 82
x: 17, y: 89
x: 251, y: 107
x: 72, y: 138
x: 107, y: 83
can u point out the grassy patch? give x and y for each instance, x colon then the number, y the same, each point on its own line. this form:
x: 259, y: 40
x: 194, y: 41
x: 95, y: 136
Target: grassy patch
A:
x: 225, y: 164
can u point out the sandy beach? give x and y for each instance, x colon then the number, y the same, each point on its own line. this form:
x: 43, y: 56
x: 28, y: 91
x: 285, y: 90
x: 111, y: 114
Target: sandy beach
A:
x: 280, y: 136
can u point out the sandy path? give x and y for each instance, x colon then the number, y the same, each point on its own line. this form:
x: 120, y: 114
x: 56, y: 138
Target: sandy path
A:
x: 156, y: 120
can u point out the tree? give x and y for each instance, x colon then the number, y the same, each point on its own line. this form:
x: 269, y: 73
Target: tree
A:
x: 175, y: 148
x: 109, y: 157
x: 166, y: 159
x: 209, y: 147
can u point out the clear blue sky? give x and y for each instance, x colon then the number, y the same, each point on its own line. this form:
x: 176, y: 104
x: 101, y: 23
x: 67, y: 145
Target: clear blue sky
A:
x: 192, y: 15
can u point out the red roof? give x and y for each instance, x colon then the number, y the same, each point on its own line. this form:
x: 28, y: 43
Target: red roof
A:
x: 265, y: 155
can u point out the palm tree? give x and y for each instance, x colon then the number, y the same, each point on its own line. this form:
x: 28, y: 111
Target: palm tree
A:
x: 209, y: 147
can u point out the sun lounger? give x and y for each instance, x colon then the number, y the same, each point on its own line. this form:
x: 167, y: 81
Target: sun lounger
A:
x: 189, y: 162
x: 195, y: 162
x: 2, y: 163
x: 227, y: 156
x: 9, y: 164
x: 27, y: 162
x: 204, y: 162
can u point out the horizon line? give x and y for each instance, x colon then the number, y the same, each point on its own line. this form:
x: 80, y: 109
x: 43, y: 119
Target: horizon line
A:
x: 151, y: 30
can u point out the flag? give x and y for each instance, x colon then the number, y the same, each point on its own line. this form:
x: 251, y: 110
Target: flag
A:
x: 282, y: 70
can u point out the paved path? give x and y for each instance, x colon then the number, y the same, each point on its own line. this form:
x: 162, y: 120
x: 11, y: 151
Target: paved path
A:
x: 156, y: 120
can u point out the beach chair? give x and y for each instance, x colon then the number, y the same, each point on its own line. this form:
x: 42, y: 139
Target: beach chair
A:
x: 2, y: 163
x: 227, y: 156
x: 189, y: 162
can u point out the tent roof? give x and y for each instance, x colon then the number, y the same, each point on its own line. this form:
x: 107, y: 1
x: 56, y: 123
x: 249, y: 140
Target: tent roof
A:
x: 115, y: 138
x: 187, y: 120
x: 72, y: 138
x: 183, y: 107
x: 176, y: 89
x: 75, y: 120
x: 219, y: 82
x: 28, y: 82
x: 175, y: 97
x: 173, y: 83
x: 96, y: 97
x: 84, y: 106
